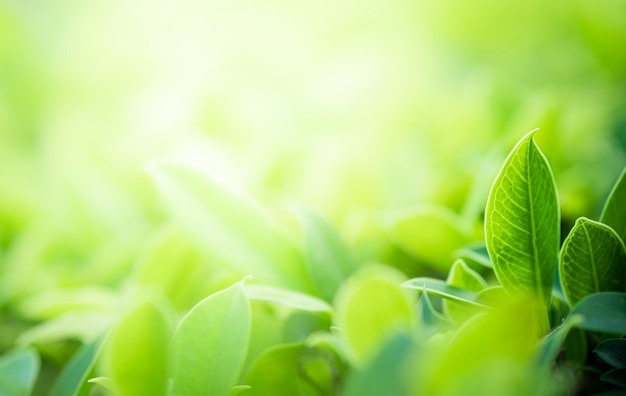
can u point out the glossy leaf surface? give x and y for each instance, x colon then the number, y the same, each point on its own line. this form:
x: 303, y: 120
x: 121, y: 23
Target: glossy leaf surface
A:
x: 522, y: 222
x: 613, y: 352
x: 593, y: 259
x: 210, y: 344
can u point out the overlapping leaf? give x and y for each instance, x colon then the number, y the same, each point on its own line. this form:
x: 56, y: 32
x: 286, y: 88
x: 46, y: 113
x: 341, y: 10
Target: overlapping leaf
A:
x: 614, y: 212
x: 593, y: 259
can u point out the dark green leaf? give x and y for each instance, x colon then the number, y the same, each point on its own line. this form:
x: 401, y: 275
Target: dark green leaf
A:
x: 616, y: 377
x: 522, y: 222
x: 604, y: 312
x: 593, y: 259
x: 613, y: 352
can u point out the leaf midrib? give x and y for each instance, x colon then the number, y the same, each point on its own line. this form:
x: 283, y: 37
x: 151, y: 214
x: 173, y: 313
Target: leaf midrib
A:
x: 592, y: 259
x: 536, y: 264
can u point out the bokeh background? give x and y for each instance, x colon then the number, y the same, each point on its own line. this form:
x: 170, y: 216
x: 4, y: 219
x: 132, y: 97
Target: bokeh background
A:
x: 358, y: 110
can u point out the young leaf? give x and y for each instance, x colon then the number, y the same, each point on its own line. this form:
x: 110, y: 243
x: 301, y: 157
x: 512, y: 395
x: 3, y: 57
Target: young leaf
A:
x: 231, y: 228
x: 593, y: 259
x: 18, y: 372
x: 614, y: 212
x: 463, y: 277
x: 286, y: 298
x: 210, y: 345
x: 443, y: 289
x: 613, y: 352
x: 522, y: 222
x: 369, y: 307
x: 604, y: 312
x: 137, y: 352
x: 74, y: 374
x: 328, y: 259
x: 432, y: 322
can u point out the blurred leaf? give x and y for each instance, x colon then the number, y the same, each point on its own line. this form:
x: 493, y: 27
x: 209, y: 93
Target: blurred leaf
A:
x: 475, y: 257
x: 432, y: 322
x: 441, y: 288
x: 18, y: 372
x: 551, y: 344
x: 593, y: 259
x: 84, y: 326
x: 56, y: 302
x: 292, y: 369
x: 614, y: 212
x: 387, y: 372
x: 604, y: 312
x: 613, y: 352
x: 301, y: 324
x: 137, y: 353
x: 210, y: 345
x: 74, y: 374
x: 575, y: 347
x: 329, y: 261
x: 465, y: 278
x: 239, y: 389
x: 522, y: 222
x: 616, y: 376
x: 229, y: 227
x: 104, y: 382
x: 286, y: 298
x: 369, y: 307
x: 431, y: 234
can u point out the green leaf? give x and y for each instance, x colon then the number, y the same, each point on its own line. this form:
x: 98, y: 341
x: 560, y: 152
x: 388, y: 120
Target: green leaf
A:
x: 385, y: 375
x: 293, y: 369
x: 465, y: 278
x: 604, y: 312
x: 593, y: 259
x: 239, y: 389
x: 432, y: 321
x: 210, y: 345
x: 328, y: 259
x: 616, y: 376
x: 286, y: 298
x: 443, y: 289
x: 613, y: 352
x: 431, y: 234
x: 522, y: 222
x: 369, y: 307
x: 138, y: 352
x: 18, y: 372
x: 614, y: 212
x: 230, y: 227
x: 74, y: 374
x: 551, y: 344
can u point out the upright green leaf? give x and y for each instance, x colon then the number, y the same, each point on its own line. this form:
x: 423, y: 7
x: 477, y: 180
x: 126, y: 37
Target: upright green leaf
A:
x: 75, y: 372
x: 614, y: 212
x: 593, y: 259
x: 229, y: 227
x: 604, y: 312
x: 138, y: 352
x: 210, y: 345
x: 18, y: 372
x: 370, y: 306
x: 522, y: 222
x: 328, y: 259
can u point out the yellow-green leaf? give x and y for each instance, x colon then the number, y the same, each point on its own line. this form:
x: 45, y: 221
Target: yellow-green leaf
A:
x: 614, y: 212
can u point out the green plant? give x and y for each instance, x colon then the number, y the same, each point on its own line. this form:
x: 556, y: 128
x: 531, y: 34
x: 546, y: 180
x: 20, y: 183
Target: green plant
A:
x: 523, y: 316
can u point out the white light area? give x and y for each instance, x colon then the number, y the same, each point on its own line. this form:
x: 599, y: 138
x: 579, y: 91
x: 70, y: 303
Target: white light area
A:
x: 160, y: 113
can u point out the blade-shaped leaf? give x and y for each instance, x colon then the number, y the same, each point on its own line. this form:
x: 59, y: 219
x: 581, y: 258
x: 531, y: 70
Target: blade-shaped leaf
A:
x: 286, y: 298
x: 604, y: 312
x: 229, y: 227
x: 432, y: 321
x: 593, y: 259
x: 328, y: 259
x: 443, y: 289
x: 18, y: 372
x: 614, y: 212
x: 522, y: 222
x: 613, y: 352
x: 74, y: 374
x: 138, y: 352
x: 210, y: 345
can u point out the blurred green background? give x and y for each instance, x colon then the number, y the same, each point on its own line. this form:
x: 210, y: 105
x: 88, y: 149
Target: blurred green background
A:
x: 357, y: 109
